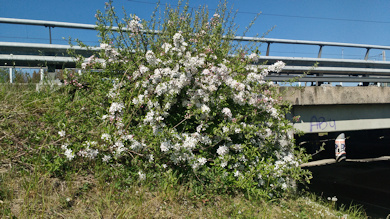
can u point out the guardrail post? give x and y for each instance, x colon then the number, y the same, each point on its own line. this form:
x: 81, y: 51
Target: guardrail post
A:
x: 365, y: 83
x: 11, y: 75
x: 269, y: 44
x: 367, y: 52
x: 42, y: 73
x: 384, y: 59
x: 320, y: 51
x: 49, y: 31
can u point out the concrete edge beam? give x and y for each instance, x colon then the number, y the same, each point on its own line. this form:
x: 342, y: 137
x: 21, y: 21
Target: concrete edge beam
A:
x: 324, y: 95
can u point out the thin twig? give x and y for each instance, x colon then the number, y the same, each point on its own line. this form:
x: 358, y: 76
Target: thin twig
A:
x: 180, y: 123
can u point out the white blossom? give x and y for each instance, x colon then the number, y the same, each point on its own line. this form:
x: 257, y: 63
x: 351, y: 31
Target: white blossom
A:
x: 199, y: 128
x: 143, y: 69
x: 190, y: 142
x: 61, y: 133
x: 226, y: 111
x: 253, y: 57
x: 88, y: 153
x: 276, y: 67
x: 106, y: 158
x: 105, y: 137
x: 150, y: 117
x: 119, y: 148
x: 333, y: 199
x: 237, y: 147
x: 178, y: 39
x: 135, y: 24
x: 138, y: 100
x: 205, y: 108
x: 151, y: 158
x: 137, y: 146
x: 69, y: 154
x: 127, y: 137
x: 116, y: 107
x: 166, y: 47
x: 142, y: 176
x: 151, y: 58
x: 222, y: 150
x: 164, y: 146
x: 64, y: 146
x: 202, y: 161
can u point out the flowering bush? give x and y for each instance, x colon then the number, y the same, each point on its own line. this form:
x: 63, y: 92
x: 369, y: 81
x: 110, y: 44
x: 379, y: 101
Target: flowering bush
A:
x: 183, y: 101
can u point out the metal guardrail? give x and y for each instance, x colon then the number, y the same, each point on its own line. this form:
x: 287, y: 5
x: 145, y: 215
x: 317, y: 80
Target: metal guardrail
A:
x: 11, y: 70
x: 52, y: 24
x: 269, y: 41
x: 328, y: 69
x: 321, y: 44
x: 34, y: 54
x: 40, y: 46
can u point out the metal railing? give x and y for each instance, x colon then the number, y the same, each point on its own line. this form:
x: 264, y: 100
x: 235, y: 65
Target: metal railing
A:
x: 321, y: 44
x: 269, y: 41
x: 327, y: 70
x: 11, y: 71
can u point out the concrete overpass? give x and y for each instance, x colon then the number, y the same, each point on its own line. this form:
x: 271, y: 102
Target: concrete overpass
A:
x: 338, y: 109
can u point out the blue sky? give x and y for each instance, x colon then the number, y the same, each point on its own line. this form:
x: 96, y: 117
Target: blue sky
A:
x: 349, y: 21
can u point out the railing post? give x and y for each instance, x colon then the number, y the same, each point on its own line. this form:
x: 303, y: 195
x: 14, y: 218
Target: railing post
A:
x: 49, y: 32
x: 42, y: 73
x: 11, y: 75
x: 320, y: 51
x: 384, y: 59
x: 365, y: 83
x: 269, y: 44
x: 367, y: 52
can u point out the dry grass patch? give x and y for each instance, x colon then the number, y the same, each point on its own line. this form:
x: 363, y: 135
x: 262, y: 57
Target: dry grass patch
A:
x: 36, y: 195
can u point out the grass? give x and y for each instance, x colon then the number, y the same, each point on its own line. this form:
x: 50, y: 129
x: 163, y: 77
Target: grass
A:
x: 35, y: 194
x: 29, y: 190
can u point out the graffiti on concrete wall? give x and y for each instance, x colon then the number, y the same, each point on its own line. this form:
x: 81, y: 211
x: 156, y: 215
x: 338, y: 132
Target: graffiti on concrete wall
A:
x: 321, y: 123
